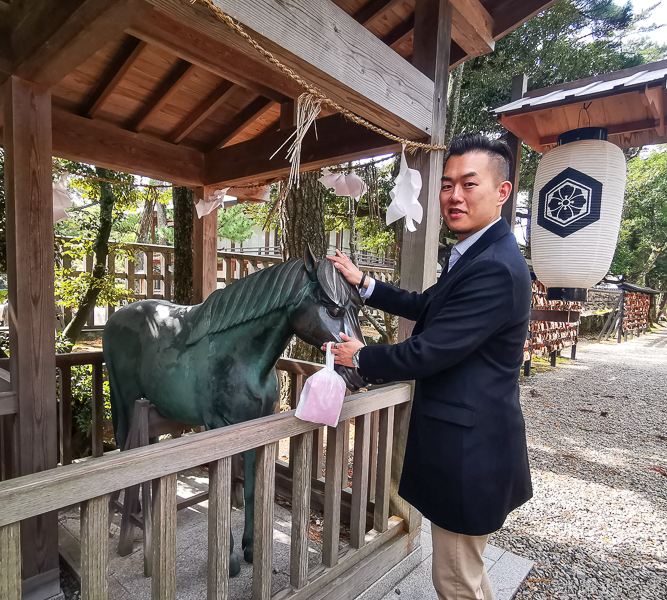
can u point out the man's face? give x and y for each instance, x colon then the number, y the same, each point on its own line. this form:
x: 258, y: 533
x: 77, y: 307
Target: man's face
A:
x: 472, y: 193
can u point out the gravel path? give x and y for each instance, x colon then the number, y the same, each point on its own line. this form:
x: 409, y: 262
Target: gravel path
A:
x: 597, y: 439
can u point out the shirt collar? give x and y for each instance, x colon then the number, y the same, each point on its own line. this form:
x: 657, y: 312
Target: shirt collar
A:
x: 461, y: 247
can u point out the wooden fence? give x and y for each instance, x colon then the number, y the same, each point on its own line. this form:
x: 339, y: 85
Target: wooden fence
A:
x: 157, y: 282
x: 379, y: 536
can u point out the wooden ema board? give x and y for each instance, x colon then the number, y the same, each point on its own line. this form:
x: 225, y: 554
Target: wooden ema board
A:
x: 546, y: 337
x: 635, y: 311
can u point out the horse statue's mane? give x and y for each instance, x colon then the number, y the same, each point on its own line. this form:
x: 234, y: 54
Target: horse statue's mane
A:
x: 266, y: 290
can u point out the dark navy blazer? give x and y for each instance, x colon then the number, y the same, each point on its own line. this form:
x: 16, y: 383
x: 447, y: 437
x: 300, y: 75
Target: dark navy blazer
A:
x: 466, y: 462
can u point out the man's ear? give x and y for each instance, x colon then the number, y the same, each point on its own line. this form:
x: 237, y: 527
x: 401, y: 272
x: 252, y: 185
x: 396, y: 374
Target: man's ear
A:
x: 505, y: 190
x: 310, y: 262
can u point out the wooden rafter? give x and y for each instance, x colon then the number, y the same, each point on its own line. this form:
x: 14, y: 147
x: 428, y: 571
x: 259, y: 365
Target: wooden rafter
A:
x: 472, y: 27
x: 202, y: 111
x: 122, y: 63
x: 184, y: 40
x: 372, y: 10
x: 654, y: 98
x: 347, y: 62
x: 401, y: 32
x: 510, y: 14
x: 50, y: 39
x: 338, y: 140
x: 177, y: 77
x: 242, y: 120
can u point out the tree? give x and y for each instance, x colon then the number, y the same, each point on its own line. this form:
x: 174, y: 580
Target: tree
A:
x: 234, y: 225
x: 183, y: 258
x: 641, y: 254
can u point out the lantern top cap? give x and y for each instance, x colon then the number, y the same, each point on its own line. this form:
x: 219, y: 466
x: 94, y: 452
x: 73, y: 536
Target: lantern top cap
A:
x: 583, y: 133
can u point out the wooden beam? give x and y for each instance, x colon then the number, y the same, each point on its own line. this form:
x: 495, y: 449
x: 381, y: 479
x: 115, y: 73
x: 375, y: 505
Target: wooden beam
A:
x: 242, y: 120
x: 330, y: 49
x: 202, y: 111
x: 5, y: 41
x: 338, y: 140
x: 399, y: 33
x: 182, y: 38
x: 29, y: 198
x: 472, y: 27
x: 122, y: 63
x: 205, y: 243
x: 52, y: 38
x: 612, y: 129
x: 654, y: 100
x: 177, y: 77
x: 372, y: 10
x: 106, y: 145
x: 432, y: 42
x: 510, y: 14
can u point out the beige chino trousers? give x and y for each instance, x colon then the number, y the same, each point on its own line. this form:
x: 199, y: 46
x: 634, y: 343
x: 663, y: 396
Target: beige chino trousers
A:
x: 458, y: 568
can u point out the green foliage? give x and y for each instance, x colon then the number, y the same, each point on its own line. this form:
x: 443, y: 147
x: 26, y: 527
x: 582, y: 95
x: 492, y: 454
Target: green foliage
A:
x: 641, y: 254
x: 233, y: 224
x: 71, y: 286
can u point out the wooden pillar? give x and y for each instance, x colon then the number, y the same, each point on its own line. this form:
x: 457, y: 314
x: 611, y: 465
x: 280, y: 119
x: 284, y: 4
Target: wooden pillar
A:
x: 205, y: 243
x: 432, y: 38
x: 29, y: 197
x: 519, y: 87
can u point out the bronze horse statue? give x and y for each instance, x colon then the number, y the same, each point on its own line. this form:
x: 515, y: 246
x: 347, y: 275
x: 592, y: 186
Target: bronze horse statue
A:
x: 213, y: 364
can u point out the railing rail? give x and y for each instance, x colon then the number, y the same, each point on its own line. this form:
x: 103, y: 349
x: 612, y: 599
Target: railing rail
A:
x: 91, y: 482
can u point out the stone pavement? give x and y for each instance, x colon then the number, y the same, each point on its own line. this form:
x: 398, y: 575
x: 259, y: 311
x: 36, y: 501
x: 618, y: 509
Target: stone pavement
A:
x: 506, y: 572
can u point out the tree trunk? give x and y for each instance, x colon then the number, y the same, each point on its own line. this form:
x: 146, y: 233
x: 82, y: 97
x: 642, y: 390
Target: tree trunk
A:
x: 161, y: 223
x: 453, y: 103
x: 302, y: 223
x: 661, y: 307
x: 101, y: 248
x: 302, y: 219
x: 183, y: 259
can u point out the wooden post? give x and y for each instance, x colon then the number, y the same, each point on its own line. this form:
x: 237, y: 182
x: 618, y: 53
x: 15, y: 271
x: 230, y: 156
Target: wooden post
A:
x: 432, y: 38
x: 65, y: 415
x: 362, y: 446
x: 265, y: 480
x: 384, y: 473
x: 98, y: 409
x: 332, y: 495
x: 163, y: 584
x: 95, y: 548
x: 219, y: 528
x: 519, y: 87
x: 10, y: 562
x: 29, y: 197
x: 301, y: 486
x: 205, y: 242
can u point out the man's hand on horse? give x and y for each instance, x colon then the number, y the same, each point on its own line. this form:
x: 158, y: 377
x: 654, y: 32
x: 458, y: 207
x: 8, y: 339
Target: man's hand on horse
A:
x: 346, y: 267
x: 344, y: 351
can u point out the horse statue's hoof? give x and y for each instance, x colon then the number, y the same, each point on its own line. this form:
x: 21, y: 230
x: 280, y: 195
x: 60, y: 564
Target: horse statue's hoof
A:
x: 234, y: 565
x: 247, y: 554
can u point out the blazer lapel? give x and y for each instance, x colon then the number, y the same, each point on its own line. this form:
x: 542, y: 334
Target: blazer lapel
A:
x: 498, y: 231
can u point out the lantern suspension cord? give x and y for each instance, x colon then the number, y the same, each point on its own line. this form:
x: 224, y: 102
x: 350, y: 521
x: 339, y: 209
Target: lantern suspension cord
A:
x: 585, y: 109
x: 310, y: 89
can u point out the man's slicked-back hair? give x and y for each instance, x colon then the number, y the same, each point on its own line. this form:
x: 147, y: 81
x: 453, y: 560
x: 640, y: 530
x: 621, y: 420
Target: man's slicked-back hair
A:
x: 497, y: 150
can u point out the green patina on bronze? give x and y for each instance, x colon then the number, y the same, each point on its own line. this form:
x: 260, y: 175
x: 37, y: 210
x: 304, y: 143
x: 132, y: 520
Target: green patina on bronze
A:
x: 213, y: 364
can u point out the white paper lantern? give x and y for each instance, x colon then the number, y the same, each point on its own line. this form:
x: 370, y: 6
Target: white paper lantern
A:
x: 576, y: 214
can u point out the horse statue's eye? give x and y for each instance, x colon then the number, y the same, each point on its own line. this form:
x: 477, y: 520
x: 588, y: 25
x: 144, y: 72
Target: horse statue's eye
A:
x: 336, y: 312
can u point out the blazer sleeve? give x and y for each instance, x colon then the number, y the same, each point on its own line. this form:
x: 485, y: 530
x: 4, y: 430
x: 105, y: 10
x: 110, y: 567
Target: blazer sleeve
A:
x: 474, y: 310
x: 396, y: 301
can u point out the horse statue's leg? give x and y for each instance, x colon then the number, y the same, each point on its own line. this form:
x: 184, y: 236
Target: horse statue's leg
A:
x: 249, y: 497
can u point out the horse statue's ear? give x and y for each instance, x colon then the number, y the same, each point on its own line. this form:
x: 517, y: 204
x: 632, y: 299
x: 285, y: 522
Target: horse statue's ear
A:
x: 310, y: 262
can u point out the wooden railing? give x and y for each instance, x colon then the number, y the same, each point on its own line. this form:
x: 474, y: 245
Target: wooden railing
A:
x: 91, y: 482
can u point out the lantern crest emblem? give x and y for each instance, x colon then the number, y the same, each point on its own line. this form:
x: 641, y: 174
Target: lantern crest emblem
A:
x: 569, y: 202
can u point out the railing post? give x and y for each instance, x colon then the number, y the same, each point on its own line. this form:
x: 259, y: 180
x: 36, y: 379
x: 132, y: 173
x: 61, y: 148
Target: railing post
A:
x: 373, y: 463
x: 163, y: 584
x: 332, y: 495
x: 383, y: 481
x: 362, y: 443
x: 95, y: 548
x: 265, y: 479
x: 150, y: 291
x: 10, y: 562
x: 98, y: 410
x: 65, y: 415
x: 219, y: 528
x: 301, y: 477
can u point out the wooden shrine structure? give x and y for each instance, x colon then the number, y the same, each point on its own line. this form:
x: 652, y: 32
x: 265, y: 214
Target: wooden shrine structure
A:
x: 629, y: 315
x: 164, y: 89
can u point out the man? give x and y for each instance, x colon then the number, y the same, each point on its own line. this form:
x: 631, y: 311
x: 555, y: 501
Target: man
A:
x: 466, y: 462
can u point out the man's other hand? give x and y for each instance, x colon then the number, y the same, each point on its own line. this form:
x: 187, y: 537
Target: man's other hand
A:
x: 344, y: 351
x: 347, y: 268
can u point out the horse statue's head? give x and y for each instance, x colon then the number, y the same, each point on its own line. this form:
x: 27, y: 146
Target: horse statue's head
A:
x: 332, y: 307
